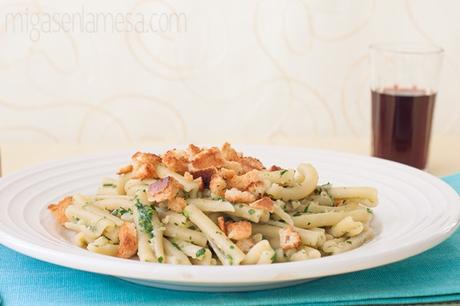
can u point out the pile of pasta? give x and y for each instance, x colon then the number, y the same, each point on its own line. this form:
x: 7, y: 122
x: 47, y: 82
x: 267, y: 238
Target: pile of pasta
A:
x: 215, y: 206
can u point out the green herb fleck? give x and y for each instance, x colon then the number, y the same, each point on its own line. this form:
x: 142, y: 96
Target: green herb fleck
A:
x: 232, y: 247
x: 109, y: 185
x: 160, y: 259
x: 348, y: 241
x: 324, y: 190
x: 283, y: 172
x: 369, y: 210
x: 297, y: 214
x: 273, y: 257
x: 145, y: 217
x: 251, y: 211
x: 200, y: 252
x: 186, y: 214
x: 121, y: 211
x: 230, y: 259
x: 176, y: 224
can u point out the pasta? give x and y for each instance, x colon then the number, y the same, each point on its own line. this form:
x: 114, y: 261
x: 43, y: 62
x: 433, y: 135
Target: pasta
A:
x: 215, y: 206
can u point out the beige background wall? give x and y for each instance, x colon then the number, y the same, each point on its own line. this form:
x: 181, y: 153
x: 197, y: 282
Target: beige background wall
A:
x: 239, y: 70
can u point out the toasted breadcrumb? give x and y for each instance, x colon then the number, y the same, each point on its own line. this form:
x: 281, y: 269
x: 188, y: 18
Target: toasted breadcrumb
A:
x: 128, y: 240
x: 246, y: 163
x: 144, y: 165
x: 144, y: 171
x: 242, y: 182
x: 58, y: 210
x: 177, y: 204
x: 250, y: 163
x: 125, y: 170
x: 176, y: 161
x: 238, y: 230
x: 217, y: 185
x: 237, y: 196
x: 263, y: 203
x: 193, y: 150
x: 164, y: 189
x: 257, y: 188
x: 229, y: 153
x: 221, y: 224
x: 245, y: 244
x: 233, y: 165
x: 188, y: 176
x: 289, y: 239
x: 227, y: 173
x: 146, y: 158
x: 207, y: 159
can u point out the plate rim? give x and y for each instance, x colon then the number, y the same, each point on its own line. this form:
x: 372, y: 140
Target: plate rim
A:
x: 94, y: 264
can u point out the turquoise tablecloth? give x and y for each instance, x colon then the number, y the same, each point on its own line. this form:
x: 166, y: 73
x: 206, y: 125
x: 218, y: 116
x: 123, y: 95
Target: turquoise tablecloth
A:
x: 433, y: 276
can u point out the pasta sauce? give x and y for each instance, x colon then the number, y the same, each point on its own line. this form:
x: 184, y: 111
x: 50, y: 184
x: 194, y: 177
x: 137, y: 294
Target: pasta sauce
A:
x: 401, y: 124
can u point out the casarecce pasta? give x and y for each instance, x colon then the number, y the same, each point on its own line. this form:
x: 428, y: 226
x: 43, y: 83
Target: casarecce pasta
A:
x: 215, y: 206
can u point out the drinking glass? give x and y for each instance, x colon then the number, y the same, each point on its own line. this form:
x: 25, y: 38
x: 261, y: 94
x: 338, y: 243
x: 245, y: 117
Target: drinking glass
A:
x: 404, y: 84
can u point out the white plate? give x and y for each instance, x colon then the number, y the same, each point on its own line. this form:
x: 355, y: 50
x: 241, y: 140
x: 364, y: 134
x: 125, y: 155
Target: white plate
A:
x: 416, y: 212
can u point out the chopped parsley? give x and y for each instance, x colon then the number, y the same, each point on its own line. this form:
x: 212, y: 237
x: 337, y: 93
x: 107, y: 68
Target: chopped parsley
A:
x: 160, y: 259
x: 273, y: 257
x: 232, y: 247
x: 121, y: 211
x: 348, y: 241
x: 200, y: 252
x: 323, y: 190
x: 186, y: 214
x: 145, y: 217
x: 369, y: 210
x: 306, y: 208
x: 109, y: 185
x: 283, y: 172
x: 230, y: 259
x: 297, y: 214
x: 251, y: 211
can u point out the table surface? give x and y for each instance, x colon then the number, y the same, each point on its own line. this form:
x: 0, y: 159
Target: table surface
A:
x: 444, y: 158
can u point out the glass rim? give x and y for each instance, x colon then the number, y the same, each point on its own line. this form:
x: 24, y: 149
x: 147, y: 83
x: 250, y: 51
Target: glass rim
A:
x: 407, y: 48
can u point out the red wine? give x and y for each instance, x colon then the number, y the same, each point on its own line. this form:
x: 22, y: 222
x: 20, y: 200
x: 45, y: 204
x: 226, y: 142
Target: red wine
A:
x: 401, y: 125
